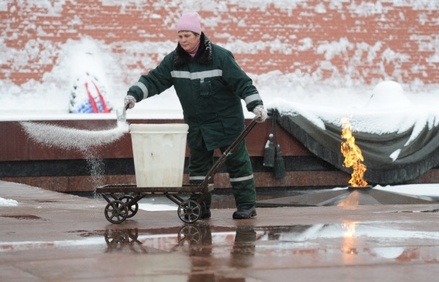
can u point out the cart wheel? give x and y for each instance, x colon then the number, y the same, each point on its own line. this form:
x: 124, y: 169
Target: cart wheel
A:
x: 190, y: 234
x: 116, y: 212
x: 116, y: 238
x: 189, y: 211
x: 133, y: 208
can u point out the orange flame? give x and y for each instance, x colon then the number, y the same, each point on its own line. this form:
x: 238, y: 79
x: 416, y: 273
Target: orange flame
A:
x: 352, y: 154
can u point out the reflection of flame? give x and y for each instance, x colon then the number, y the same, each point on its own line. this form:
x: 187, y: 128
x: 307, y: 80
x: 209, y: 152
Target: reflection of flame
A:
x: 349, y: 228
x: 350, y: 202
x: 353, y: 155
x: 349, y: 241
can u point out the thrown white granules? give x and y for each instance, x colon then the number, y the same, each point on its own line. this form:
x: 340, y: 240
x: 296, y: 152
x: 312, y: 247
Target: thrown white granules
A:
x: 72, y: 138
x: 77, y: 139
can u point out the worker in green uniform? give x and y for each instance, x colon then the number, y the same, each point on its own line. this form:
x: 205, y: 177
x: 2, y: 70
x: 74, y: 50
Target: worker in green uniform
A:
x: 210, y: 86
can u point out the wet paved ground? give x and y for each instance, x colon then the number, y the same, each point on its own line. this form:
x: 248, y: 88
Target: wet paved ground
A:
x: 51, y: 236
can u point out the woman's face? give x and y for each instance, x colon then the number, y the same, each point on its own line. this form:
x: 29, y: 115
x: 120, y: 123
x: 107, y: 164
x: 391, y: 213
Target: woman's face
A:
x: 188, y: 40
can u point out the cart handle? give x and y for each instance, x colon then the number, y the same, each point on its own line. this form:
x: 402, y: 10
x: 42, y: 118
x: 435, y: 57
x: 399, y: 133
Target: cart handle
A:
x: 227, y: 152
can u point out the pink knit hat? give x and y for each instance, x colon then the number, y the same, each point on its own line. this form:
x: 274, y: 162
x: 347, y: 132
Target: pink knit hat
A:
x: 190, y: 22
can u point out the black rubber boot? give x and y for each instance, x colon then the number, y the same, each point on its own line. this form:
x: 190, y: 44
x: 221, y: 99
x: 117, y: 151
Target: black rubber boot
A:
x: 245, y: 212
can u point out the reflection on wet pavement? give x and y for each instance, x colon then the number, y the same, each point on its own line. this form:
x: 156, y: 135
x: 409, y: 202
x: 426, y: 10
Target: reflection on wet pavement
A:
x: 347, y: 242
x: 211, y: 250
x: 204, y: 252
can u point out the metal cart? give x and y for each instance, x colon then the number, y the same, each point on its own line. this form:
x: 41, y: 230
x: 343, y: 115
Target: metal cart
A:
x: 123, y: 199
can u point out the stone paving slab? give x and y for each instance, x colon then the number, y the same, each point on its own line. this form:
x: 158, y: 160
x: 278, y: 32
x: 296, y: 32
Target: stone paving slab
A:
x: 52, y: 236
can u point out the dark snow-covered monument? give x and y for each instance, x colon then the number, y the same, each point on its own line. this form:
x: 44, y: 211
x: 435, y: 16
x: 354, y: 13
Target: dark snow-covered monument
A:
x: 399, y: 140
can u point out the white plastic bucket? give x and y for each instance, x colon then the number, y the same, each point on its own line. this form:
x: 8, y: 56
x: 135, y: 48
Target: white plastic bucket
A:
x: 159, y: 153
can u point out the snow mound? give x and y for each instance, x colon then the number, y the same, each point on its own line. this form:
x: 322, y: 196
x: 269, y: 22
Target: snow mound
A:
x: 386, y: 93
x: 8, y: 202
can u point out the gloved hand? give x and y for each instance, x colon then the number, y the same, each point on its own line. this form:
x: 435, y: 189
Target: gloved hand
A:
x: 129, y: 102
x: 260, y: 113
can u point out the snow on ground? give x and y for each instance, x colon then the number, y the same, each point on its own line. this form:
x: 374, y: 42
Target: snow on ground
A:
x: 8, y: 202
x: 429, y: 190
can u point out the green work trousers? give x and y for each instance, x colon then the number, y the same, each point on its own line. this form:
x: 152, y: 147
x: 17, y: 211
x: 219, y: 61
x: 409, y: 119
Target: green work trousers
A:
x: 238, y: 166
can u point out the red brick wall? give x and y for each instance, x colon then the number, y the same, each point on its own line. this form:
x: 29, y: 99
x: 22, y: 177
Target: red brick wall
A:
x: 371, y: 40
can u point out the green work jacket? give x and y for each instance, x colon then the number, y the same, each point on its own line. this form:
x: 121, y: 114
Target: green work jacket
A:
x: 210, y: 87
